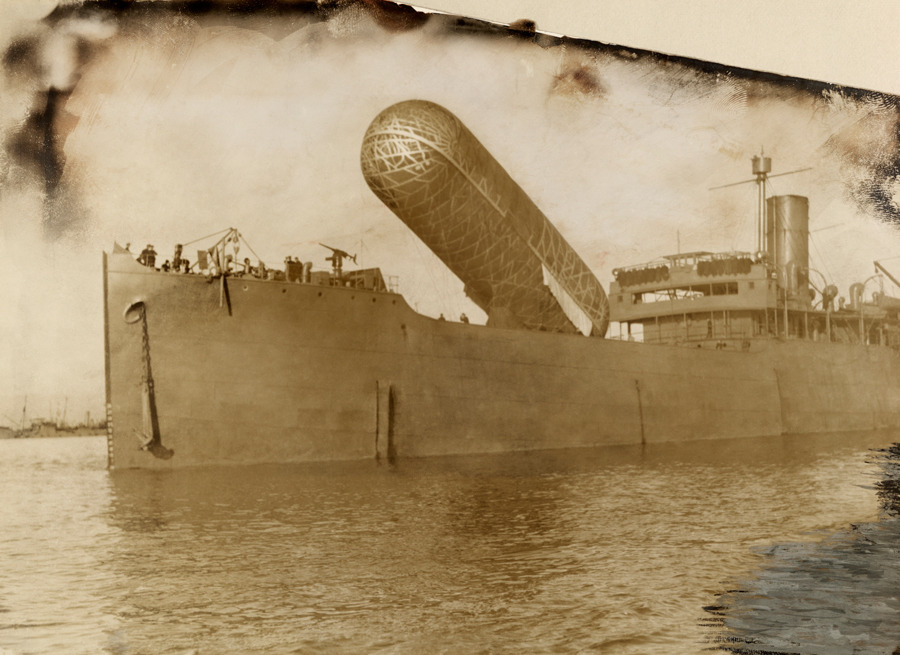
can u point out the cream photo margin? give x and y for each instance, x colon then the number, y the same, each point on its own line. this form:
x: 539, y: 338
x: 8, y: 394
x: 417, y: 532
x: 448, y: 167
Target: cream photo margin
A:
x: 844, y: 42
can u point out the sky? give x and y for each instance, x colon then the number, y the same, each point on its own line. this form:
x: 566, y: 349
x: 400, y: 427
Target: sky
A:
x: 167, y: 127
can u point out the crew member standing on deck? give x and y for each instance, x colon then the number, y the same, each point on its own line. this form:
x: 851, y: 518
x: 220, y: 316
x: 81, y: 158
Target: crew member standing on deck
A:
x: 148, y: 256
x: 177, y: 263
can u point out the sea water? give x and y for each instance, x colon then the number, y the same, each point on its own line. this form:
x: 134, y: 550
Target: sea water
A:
x: 619, y: 550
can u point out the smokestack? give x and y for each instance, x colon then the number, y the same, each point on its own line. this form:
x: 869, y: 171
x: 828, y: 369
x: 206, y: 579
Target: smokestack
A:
x: 787, y: 240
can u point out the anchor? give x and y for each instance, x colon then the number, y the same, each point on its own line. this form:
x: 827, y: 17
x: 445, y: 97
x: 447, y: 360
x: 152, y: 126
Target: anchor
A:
x: 148, y: 435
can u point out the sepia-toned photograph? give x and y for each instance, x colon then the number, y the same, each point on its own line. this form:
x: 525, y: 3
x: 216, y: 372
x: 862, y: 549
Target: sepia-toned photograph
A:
x: 354, y: 326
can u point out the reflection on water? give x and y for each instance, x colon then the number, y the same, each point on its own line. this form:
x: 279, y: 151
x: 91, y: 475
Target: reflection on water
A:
x: 835, y: 596
x: 614, y: 550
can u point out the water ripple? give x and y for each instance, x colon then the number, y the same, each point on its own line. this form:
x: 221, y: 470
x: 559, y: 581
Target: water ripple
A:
x: 609, y: 551
x: 833, y: 596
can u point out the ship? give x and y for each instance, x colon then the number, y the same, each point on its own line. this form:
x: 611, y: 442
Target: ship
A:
x: 225, y: 360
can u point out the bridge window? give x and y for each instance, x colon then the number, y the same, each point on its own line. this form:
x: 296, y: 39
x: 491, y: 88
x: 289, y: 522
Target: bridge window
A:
x: 725, y: 289
x: 689, y: 292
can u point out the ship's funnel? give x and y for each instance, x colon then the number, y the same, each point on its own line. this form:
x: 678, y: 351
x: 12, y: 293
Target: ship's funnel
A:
x: 423, y: 163
x: 787, y: 240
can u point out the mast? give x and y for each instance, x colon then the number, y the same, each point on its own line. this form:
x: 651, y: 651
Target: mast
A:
x: 762, y: 166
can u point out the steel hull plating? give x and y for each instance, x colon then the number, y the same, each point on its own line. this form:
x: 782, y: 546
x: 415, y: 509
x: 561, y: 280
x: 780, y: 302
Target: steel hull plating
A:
x: 262, y: 371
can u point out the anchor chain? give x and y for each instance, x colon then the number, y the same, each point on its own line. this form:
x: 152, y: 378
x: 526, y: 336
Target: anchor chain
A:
x: 148, y: 435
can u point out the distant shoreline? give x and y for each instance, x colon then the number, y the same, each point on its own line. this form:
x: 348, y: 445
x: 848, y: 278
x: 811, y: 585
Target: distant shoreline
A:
x: 46, y: 431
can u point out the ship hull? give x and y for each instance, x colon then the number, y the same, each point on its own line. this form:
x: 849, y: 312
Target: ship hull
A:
x: 254, y: 371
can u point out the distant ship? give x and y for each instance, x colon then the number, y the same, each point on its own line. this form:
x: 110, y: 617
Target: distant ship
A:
x: 226, y: 361
x: 58, y: 427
